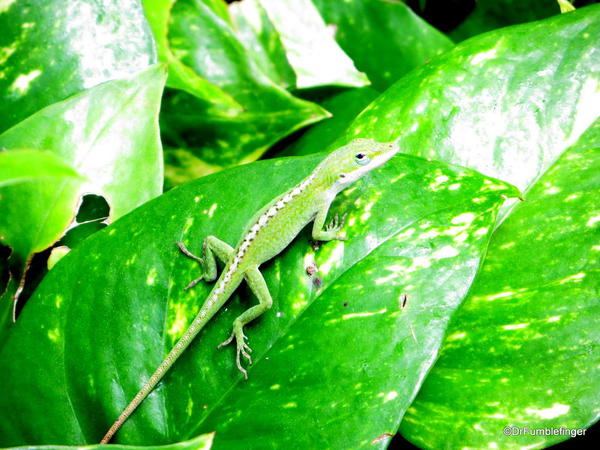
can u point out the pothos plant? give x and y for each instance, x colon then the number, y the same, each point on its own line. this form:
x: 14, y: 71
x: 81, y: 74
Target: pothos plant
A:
x: 463, y: 304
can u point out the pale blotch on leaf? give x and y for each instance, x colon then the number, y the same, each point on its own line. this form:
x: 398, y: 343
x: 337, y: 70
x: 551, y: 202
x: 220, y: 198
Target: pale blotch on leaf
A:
x: 290, y: 405
x: 478, y: 58
x: 482, y: 231
x: 390, y: 396
x: 334, y: 258
x: 178, y: 326
x: 552, y: 190
x: 556, y: 410
x: 190, y: 406
x: 456, y: 336
x: 211, y: 210
x: 592, y: 221
x: 58, y: 301
x: 429, y: 234
x: 151, y: 278
x: 405, y: 234
x: 131, y: 260
x: 300, y: 303
x: 492, y: 297
x: 438, y: 183
x: 398, y: 177
x: 465, y: 218
x: 5, y: 53
x: 507, y: 245
x: 363, y: 314
x: 445, y: 252
x: 54, y: 334
x: 188, y: 224
x: 5, y: 5
x: 395, y: 272
x: 576, y: 278
x: 497, y: 415
x: 515, y: 326
x: 275, y: 387
x: 23, y: 81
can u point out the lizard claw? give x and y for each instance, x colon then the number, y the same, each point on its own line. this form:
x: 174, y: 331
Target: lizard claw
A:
x: 242, y: 349
x: 336, y: 225
x: 199, y: 260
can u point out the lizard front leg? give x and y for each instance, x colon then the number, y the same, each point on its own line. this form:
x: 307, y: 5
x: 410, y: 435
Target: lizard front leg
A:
x: 331, y: 231
x: 257, y: 284
x: 211, y: 247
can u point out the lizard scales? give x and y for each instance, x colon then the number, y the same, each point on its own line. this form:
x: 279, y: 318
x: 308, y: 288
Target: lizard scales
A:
x: 269, y: 232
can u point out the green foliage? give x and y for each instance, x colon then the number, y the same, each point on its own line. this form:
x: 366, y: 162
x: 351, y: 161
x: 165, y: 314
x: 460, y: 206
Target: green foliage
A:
x: 437, y: 261
x: 50, y: 50
x: 491, y: 14
x: 29, y: 181
x: 521, y: 350
x: 388, y: 29
x: 109, y: 135
x: 500, y: 103
x: 202, y: 442
x: 413, y: 220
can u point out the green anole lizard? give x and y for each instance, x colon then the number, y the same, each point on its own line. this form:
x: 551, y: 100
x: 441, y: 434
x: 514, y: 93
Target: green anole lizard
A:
x: 269, y: 232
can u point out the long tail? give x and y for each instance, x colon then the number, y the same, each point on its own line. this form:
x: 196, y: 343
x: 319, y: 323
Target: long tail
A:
x: 208, y: 309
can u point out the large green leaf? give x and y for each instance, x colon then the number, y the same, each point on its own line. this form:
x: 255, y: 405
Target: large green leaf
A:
x: 506, y: 103
x: 109, y: 134
x: 50, y: 50
x: 524, y: 349
x: 311, y: 50
x: 257, y: 33
x: 181, y: 76
x: 385, y: 39
x: 208, y: 46
x: 38, y: 196
x: 327, y: 357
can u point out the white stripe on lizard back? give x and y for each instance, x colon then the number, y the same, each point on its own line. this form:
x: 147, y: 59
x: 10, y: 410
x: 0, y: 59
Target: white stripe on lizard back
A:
x: 262, y: 221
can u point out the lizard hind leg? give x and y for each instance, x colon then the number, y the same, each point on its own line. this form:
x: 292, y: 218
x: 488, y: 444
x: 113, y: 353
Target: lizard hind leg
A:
x: 212, y: 247
x: 257, y: 284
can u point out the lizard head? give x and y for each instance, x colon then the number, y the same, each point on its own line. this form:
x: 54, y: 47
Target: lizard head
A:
x: 347, y: 164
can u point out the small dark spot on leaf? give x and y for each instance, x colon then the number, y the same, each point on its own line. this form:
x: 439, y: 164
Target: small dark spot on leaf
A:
x: 403, y: 300
x: 317, y: 282
x: 345, y: 304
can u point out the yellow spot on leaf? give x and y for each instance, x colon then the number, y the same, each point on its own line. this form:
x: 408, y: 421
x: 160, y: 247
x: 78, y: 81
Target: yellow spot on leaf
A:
x: 151, y: 278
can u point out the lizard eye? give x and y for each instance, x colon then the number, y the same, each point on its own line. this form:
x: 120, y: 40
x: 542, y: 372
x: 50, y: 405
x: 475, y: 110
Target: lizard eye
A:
x: 361, y: 158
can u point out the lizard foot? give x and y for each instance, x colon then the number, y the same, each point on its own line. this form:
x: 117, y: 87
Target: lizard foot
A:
x: 201, y: 261
x: 242, y: 348
x: 336, y: 225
